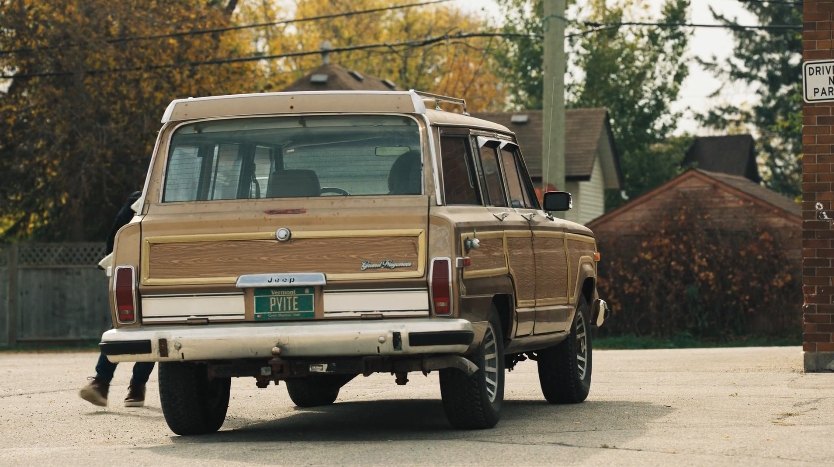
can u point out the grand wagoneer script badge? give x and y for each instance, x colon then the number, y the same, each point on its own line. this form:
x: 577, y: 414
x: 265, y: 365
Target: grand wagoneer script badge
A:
x: 385, y: 264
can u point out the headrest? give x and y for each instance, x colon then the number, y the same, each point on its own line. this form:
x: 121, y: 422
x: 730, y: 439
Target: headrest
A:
x: 406, y: 174
x: 293, y: 184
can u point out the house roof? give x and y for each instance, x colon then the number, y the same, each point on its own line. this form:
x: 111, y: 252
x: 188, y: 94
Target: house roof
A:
x: 729, y: 154
x: 755, y: 190
x: 331, y: 77
x: 585, y: 131
x: 739, y: 186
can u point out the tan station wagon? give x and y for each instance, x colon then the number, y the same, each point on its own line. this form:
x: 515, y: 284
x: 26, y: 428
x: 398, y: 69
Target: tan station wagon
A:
x: 312, y: 237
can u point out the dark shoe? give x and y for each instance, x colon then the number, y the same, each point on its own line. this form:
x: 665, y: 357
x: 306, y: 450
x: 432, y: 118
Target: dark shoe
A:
x: 95, y: 392
x: 135, y: 396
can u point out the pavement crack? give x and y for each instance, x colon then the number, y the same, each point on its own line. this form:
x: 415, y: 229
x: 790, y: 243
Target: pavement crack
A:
x: 31, y: 393
x: 619, y: 448
x: 559, y: 443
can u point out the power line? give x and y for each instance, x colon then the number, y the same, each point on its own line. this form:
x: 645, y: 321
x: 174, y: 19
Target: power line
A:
x: 695, y: 25
x: 596, y: 27
x: 778, y: 2
x: 254, y: 58
x: 196, y: 32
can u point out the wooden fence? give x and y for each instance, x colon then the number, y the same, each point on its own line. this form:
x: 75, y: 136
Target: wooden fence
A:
x: 52, y: 293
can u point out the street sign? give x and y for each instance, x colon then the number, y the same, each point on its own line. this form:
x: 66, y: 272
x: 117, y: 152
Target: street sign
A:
x: 818, y: 81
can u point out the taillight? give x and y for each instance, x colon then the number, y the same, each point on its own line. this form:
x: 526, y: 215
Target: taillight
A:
x: 125, y: 291
x: 440, y: 284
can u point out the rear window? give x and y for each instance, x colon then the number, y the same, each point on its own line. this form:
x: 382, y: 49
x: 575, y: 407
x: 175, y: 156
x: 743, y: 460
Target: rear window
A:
x: 288, y: 157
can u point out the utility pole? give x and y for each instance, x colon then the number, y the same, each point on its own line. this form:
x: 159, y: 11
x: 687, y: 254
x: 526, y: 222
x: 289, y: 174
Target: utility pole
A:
x: 553, y: 134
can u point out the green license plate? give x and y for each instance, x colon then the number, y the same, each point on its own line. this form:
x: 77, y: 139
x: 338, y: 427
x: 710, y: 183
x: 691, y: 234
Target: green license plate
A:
x: 284, y: 303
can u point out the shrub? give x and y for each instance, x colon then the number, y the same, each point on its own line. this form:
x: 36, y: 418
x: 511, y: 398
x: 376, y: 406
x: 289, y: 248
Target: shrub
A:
x: 691, y: 272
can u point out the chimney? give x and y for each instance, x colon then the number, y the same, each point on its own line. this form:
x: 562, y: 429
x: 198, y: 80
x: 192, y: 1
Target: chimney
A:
x: 325, y: 52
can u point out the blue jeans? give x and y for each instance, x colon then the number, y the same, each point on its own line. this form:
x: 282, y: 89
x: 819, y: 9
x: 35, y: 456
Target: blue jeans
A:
x: 141, y: 371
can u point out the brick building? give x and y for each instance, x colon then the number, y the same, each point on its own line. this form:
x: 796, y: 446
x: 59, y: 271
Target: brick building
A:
x: 727, y: 210
x: 730, y: 200
x: 818, y: 198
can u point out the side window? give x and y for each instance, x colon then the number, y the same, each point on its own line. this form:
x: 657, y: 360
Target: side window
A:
x: 519, y: 195
x: 184, y: 160
x: 526, y: 181
x: 492, y: 175
x: 458, y: 172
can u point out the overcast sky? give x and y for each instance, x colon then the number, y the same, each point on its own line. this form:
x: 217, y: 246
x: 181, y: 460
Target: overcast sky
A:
x: 703, y: 43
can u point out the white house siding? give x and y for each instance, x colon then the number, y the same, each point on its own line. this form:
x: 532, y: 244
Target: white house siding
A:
x: 574, y: 214
x: 588, y: 197
x: 592, y: 195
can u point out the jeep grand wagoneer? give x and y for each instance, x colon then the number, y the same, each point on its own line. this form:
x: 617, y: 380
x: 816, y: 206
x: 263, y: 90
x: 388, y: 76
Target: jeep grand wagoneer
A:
x: 313, y: 237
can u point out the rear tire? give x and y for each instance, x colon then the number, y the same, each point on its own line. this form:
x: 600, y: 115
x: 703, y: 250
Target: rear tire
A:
x: 474, y: 402
x: 192, y: 403
x: 316, y: 390
x: 565, y: 368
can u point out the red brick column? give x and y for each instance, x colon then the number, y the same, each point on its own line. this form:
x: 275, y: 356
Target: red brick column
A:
x: 817, y: 183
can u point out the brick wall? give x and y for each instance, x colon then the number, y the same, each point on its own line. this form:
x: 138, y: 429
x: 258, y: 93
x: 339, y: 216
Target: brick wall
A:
x: 817, y: 181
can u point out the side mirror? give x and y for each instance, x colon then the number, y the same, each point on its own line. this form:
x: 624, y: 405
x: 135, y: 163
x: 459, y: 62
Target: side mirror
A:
x: 557, y: 201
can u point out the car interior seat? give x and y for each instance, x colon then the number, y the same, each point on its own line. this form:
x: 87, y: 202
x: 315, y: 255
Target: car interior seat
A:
x: 296, y: 183
x: 405, y: 177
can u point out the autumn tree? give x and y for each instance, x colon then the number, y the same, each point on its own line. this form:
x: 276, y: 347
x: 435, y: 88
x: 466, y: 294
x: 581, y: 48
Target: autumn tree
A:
x: 85, y: 85
x: 768, y: 60
x: 424, y: 51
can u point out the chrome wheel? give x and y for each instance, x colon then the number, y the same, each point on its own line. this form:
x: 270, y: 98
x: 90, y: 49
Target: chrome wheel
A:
x: 491, y: 363
x: 565, y: 368
x: 473, y: 401
x: 581, y: 346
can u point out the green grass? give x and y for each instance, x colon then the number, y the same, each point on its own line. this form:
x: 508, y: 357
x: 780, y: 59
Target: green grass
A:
x: 687, y: 341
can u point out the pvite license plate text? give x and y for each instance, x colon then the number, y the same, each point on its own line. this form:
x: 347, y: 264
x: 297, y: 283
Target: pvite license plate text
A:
x: 284, y: 303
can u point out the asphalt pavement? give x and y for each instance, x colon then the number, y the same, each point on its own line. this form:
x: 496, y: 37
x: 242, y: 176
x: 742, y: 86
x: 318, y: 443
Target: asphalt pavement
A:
x: 743, y: 406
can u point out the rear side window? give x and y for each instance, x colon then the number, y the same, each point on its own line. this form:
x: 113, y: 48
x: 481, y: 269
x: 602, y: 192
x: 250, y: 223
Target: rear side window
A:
x: 519, y: 195
x: 459, y: 177
x: 492, y: 175
x: 287, y: 157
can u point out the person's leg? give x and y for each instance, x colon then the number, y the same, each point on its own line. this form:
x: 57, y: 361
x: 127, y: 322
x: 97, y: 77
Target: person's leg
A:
x: 141, y: 373
x: 136, y: 391
x: 95, y: 392
x: 105, y: 369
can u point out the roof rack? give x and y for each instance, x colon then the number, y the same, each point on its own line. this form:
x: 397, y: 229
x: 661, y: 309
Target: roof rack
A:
x: 437, y: 98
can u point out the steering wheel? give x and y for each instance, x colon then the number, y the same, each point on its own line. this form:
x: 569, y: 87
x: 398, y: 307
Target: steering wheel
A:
x: 334, y: 190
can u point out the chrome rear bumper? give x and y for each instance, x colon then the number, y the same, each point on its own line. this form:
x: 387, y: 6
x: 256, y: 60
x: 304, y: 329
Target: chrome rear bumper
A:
x: 406, y: 337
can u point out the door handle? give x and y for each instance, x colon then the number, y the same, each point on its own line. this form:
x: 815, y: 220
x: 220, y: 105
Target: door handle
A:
x: 501, y: 216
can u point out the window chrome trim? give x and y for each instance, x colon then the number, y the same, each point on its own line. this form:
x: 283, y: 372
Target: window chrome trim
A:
x: 439, y: 197
x: 173, y: 130
x: 431, y: 288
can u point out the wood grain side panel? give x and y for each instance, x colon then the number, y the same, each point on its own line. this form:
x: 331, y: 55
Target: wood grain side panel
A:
x: 522, y: 268
x: 489, y: 259
x: 551, y: 269
x: 333, y: 256
x: 580, y: 250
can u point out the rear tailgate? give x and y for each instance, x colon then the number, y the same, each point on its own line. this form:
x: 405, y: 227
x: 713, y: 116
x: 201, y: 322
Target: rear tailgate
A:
x: 369, y: 253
